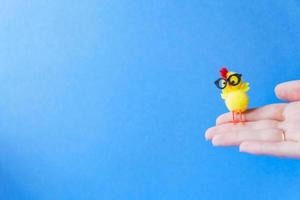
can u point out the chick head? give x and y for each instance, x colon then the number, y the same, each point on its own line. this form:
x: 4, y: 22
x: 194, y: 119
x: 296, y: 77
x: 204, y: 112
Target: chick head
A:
x: 229, y: 81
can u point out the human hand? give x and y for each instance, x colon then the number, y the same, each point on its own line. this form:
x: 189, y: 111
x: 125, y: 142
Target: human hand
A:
x: 269, y: 130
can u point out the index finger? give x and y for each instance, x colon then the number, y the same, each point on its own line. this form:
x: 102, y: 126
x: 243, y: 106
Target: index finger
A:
x: 268, y: 112
x: 289, y: 91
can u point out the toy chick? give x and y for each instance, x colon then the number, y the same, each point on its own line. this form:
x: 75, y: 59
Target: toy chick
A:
x: 234, y: 93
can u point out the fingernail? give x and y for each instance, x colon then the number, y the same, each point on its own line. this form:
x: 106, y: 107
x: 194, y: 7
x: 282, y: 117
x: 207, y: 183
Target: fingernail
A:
x: 208, y: 134
x: 243, y: 147
x: 217, y: 140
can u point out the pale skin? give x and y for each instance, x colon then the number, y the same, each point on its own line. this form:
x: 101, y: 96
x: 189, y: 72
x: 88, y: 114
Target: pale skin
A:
x: 269, y: 130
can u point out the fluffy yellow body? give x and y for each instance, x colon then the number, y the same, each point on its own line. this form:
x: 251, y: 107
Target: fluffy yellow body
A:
x: 237, y: 101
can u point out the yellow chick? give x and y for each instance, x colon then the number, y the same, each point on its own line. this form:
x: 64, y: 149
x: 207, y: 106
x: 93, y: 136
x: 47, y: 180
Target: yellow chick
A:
x: 234, y: 93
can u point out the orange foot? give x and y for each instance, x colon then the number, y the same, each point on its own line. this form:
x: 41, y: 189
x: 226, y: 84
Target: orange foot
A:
x: 238, y: 117
x: 234, y: 119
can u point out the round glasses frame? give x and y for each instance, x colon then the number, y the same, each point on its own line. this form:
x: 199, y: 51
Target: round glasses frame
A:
x: 221, y: 83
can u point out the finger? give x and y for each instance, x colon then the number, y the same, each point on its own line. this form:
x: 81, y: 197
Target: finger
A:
x: 235, y: 138
x: 247, y: 126
x: 289, y: 91
x: 268, y: 112
x: 280, y: 149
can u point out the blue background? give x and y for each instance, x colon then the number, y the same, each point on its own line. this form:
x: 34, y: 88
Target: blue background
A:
x: 110, y: 99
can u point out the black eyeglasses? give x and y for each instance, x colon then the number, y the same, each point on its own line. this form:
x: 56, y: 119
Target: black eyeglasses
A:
x: 233, y: 80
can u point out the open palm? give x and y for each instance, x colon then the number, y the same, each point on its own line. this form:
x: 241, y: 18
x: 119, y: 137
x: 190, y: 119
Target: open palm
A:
x: 270, y: 130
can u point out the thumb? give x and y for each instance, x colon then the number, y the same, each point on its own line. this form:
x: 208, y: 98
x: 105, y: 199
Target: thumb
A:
x: 289, y: 91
